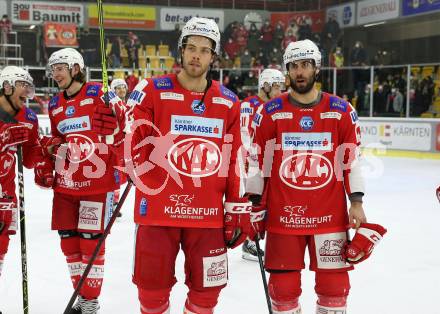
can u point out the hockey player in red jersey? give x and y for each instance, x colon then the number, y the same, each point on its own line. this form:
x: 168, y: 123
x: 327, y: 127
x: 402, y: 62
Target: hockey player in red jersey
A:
x: 270, y: 85
x: 18, y: 126
x: 85, y: 176
x: 191, y: 126
x: 309, y: 149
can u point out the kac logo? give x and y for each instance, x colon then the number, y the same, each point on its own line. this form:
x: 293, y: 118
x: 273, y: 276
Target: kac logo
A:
x: 197, y: 107
x: 70, y: 111
x: 306, y: 123
x: 195, y: 157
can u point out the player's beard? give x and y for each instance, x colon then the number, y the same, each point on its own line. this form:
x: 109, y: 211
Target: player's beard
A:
x: 195, y: 71
x: 304, y: 89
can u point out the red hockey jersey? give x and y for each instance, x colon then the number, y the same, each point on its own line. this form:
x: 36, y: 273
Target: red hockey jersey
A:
x: 31, y: 153
x: 307, y: 155
x: 86, y: 165
x: 191, y: 153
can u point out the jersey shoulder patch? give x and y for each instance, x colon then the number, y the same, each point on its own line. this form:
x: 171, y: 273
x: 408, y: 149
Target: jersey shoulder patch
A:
x: 163, y: 83
x: 338, y: 104
x: 228, y: 93
x: 93, y: 89
x: 273, y: 105
x: 30, y: 115
x: 254, y: 101
x: 53, y: 103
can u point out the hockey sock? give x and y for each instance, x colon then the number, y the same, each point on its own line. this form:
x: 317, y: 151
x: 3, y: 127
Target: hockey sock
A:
x: 191, y: 308
x: 93, y: 283
x: 154, y: 301
x: 70, y: 248
x: 331, y: 305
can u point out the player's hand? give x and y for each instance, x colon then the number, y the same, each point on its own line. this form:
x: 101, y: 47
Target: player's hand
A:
x: 43, y: 171
x: 12, y: 134
x: 50, y: 145
x: 356, y: 214
x: 237, y: 225
x: 104, y: 120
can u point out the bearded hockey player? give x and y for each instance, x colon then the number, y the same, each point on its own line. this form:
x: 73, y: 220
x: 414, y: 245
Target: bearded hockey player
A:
x: 85, y: 175
x: 188, y: 130
x: 309, y: 151
x: 270, y: 85
x: 18, y: 126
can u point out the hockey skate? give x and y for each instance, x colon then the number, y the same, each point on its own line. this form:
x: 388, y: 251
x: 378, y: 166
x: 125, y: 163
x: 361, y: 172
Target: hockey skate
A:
x: 250, y: 251
x: 83, y: 306
x: 76, y: 308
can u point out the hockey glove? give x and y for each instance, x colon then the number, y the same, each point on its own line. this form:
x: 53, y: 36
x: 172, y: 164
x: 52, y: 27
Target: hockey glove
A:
x: 104, y: 120
x: 12, y: 134
x: 237, y: 225
x: 43, y: 171
x: 50, y: 145
x: 366, y: 238
x: 258, y: 222
x: 6, y: 208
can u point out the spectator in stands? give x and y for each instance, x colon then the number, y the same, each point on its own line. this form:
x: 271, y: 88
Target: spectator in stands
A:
x: 5, y: 28
x: 250, y: 80
x: 253, y: 39
x: 232, y: 48
x: 380, y: 98
x: 266, y: 36
x: 115, y: 52
x: 173, y: 38
x: 276, y: 54
x: 257, y: 67
x: 330, y: 33
x: 278, y: 35
x: 262, y: 56
x: 245, y: 59
x: 132, y: 45
x: 305, y: 30
x: 289, y: 37
x: 395, y: 102
x: 226, y: 62
x: 291, y: 30
x: 358, y: 57
x: 382, y: 57
x: 241, y: 38
x: 275, y: 64
x: 337, y: 58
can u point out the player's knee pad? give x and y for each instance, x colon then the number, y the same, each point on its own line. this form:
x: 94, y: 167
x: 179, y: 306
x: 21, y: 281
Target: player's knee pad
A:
x: 204, y: 298
x: 154, y: 301
x: 4, y: 244
x: 69, y: 242
x: 332, y: 284
x: 285, y: 290
x: 191, y: 308
x: 88, y: 242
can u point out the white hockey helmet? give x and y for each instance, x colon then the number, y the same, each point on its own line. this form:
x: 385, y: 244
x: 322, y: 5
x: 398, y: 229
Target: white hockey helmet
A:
x: 200, y: 26
x: 12, y: 74
x: 271, y: 76
x: 69, y: 56
x: 302, y: 50
x: 118, y: 82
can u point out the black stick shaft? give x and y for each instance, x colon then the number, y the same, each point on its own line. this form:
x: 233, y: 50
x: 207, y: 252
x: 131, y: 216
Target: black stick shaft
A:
x: 24, y: 281
x: 98, y: 248
x: 263, y: 275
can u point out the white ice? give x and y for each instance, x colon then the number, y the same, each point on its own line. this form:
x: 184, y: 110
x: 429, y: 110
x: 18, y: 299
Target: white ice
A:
x: 402, y: 276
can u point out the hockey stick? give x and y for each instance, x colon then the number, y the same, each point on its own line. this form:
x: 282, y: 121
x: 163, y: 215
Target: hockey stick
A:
x: 109, y: 139
x: 98, y: 248
x: 263, y: 274
x: 5, y: 117
x: 24, y: 281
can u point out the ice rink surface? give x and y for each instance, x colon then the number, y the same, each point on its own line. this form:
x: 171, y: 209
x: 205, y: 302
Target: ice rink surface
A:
x: 401, y: 277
